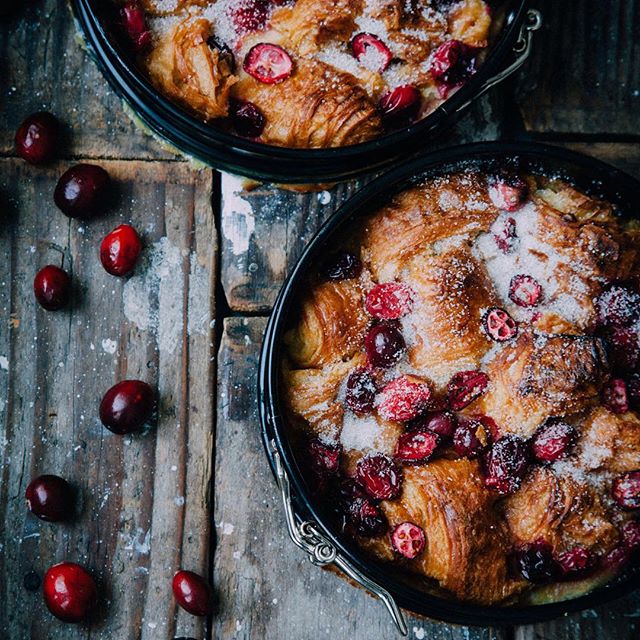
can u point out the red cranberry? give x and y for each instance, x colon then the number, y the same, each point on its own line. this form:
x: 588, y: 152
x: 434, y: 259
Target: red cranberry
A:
x: 442, y: 423
x: 490, y: 426
x: 615, y: 397
x: 37, y: 138
x: 616, y: 558
x: 504, y: 233
x: 553, y: 441
x: 576, y: 561
x: 525, y: 291
x: 342, y: 266
x: 401, y: 105
x: 499, y: 325
x: 631, y: 535
x: 465, y: 387
x: 404, y: 399
x: 50, y: 498
x: 268, y: 63
x: 505, y: 465
x: 80, y: 192
x: 325, y: 457
x: 69, y: 592
x: 379, y: 477
x: 623, y: 346
x: 536, y: 563
x: 135, y: 24
x: 626, y: 490
x: 366, y: 517
x: 384, y: 345
x: 508, y: 192
x: 389, y: 301
x: 120, y: 250
x: 249, y: 15
x: 452, y: 63
x: 408, y: 540
x: 126, y: 406
x: 467, y: 438
x: 192, y: 593
x: 371, y: 52
x: 618, y: 306
x: 52, y: 287
x: 361, y: 391
x: 415, y: 447
x: 248, y: 121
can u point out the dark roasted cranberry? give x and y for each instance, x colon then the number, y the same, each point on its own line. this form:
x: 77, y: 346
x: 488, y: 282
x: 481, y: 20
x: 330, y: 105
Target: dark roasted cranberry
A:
x: 192, y: 593
x: 126, y: 406
x: 618, y: 306
x: 614, y: 395
x: 268, y: 63
x: 249, y: 15
x: 536, y: 563
x: 631, y: 535
x: 135, y: 24
x: 361, y: 391
x: 508, y: 192
x: 342, y: 266
x: 384, y: 345
x: 366, y: 517
x: 623, y: 346
x: 81, y: 190
x: 469, y: 438
x: 465, y: 387
x: 452, y: 63
x: 442, y: 423
x: 499, y: 325
x: 379, y: 476
x: 505, y: 464
x: 50, y: 498
x: 69, y: 592
x: 325, y: 457
x: 52, y: 287
x: 553, y: 441
x: 416, y: 446
x: 525, y: 291
x: 120, y: 250
x: 248, y: 121
x: 504, y: 233
x: 389, y: 301
x: 404, y: 399
x: 224, y: 52
x: 408, y: 540
x: 626, y: 490
x: 616, y: 558
x: 401, y: 105
x: 576, y: 561
x: 371, y: 52
x: 37, y: 138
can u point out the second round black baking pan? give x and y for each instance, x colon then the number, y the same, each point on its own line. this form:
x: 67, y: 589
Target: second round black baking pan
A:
x: 307, y: 522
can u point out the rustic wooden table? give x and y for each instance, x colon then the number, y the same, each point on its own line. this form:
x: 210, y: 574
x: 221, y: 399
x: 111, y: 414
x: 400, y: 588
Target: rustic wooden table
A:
x: 195, y: 491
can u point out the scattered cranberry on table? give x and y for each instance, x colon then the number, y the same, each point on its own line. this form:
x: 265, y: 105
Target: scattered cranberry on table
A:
x: 120, y: 250
x: 193, y: 593
x: 81, y: 191
x: 50, y: 498
x: 127, y: 406
x: 52, y: 287
x: 69, y: 592
x: 37, y: 138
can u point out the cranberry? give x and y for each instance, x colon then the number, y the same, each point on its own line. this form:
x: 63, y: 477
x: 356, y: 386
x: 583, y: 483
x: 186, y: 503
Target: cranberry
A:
x: 401, y: 105
x: 50, y: 498
x: 325, y: 457
x: 504, y: 233
x: 616, y: 558
x: 505, y: 464
x: 536, y: 563
x: 614, y: 396
x: 366, y: 517
x: 452, y: 63
x: 224, y: 53
x: 552, y: 441
x: 126, y: 406
x: 525, y: 291
x: 120, y: 250
x: 490, y: 426
x: 135, y: 24
x: 467, y: 440
x: 416, y: 446
x: 81, y: 190
x: 384, y: 345
x: 618, y: 306
x: 52, y: 287
x: 404, y: 399
x: 624, y: 349
x: 379, y: 477
x: 389, y: 301
x: 268, y: 63
x: 499, y: 325
x: 361, y: 391
x: 465, y: 387
x: 69, y: 592
x: 342, y: 266
x: 508, y: 192
x: 37, y: 138
x: 248, y: 121
x: 442, y: 423
x: 626, y: 490
x: 371, y: 52
x: 192, y: 593
x: 631, y: 535
x: 576, y: 561
x: 249, y: 15
x: 408, y: 540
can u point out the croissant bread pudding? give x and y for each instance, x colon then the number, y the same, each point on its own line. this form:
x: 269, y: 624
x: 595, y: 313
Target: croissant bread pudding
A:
x: 462, y: 385
x: 310, y: 73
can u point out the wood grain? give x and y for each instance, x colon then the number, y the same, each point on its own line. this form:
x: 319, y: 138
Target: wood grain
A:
x: 144, y: 499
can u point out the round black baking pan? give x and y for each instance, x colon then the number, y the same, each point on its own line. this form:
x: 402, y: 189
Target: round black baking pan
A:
x: 594, y: 177
x: 217, y: 148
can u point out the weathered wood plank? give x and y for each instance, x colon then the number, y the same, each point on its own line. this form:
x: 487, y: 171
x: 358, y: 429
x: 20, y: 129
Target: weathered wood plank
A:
x: 267, y: 587
x: 145, y: 499
x: 584, y: 74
